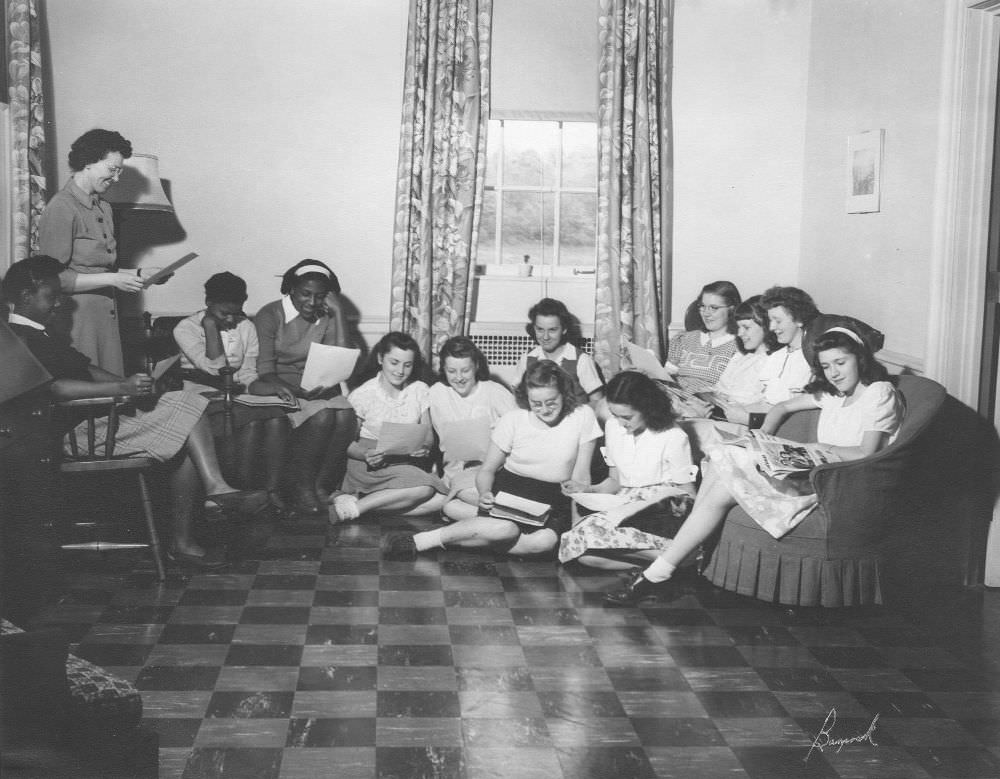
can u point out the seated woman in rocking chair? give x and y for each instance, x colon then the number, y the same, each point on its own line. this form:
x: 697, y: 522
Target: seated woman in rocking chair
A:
x: 176, y: 425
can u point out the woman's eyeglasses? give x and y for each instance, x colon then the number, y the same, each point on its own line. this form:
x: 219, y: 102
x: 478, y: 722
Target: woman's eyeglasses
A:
x: 712, y: 309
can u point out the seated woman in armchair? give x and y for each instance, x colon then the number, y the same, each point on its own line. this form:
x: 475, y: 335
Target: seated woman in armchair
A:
x: 176, y: 425
x: 860, y: 413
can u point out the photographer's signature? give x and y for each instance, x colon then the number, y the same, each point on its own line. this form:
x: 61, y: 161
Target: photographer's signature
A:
x: 824, y: 740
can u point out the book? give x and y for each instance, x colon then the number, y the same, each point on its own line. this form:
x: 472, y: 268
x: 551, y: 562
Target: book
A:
x: 780, y: 457
x: 246, y: 399
x: 162, y: 273
x: 520, y: 510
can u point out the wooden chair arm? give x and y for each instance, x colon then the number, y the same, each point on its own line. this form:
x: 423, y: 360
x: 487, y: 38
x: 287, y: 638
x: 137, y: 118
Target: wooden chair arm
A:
x: 117, y: 400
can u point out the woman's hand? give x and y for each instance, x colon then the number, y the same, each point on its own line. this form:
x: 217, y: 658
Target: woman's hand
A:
x: 285, y: 394
x: 140, y: 384
x: 316, y: 393
x: 126, y: 282
x: 423, y: 451
x: 374, y: 458
x: 486, y: 500
x: 570, y: 486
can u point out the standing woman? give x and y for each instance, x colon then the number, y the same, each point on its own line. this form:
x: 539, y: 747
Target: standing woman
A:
x: 77, y: 228
x: 465, y: 392
x: 323, y: 426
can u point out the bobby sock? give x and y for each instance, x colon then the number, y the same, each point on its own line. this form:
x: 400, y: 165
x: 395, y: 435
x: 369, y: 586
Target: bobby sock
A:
x: 659, y: 570
x: 429, y: 539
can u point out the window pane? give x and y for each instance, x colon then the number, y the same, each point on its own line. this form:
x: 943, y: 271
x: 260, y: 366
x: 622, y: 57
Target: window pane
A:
x: 494, y: 137
x: 487, y: 246
x: 578, y: 230
x: 579, y: 154
x: 530, y: 150
x: 527, y: 227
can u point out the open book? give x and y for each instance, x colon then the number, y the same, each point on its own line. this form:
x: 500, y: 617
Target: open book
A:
x: 520, y: 510
x: 779, y: 457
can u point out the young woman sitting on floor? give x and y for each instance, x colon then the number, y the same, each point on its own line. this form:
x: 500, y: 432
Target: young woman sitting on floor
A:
x: 534, y: 449
x: 376, y: 481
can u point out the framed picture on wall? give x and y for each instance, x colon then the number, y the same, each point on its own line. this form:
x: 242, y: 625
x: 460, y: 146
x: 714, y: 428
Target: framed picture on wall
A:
x: 864, y: 171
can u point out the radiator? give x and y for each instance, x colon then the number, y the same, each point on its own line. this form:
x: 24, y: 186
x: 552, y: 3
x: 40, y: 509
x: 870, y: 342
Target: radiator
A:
x: 503, y: 346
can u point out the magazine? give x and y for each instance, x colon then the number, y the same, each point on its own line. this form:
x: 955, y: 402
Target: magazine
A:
x: 779, y: 457
x: 520, y: 510
x: 265, y: 400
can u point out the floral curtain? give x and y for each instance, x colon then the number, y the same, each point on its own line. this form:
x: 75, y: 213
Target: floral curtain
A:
x: 635, y: 181
x: 27, y: 123
x: 442, y: 165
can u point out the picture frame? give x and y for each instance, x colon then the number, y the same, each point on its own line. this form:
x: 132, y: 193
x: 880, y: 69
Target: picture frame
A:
x: 864, y: 171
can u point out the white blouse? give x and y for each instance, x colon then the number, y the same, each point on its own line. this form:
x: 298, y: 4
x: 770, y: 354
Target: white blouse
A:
x: 650, y: 458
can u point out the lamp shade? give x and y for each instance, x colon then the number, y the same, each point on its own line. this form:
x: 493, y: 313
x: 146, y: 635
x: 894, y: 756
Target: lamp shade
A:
x: 139, y: 185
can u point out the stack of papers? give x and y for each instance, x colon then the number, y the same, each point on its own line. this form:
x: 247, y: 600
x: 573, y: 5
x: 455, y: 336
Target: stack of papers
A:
x: 265, y: 400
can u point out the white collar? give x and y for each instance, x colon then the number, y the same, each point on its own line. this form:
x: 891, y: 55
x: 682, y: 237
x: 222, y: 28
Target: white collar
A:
x: 17, y: 319
x: 716, y: 340
x: 289, y: 308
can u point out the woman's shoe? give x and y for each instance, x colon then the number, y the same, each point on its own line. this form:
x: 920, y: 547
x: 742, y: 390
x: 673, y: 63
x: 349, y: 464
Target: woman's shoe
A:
x: 241, y: 502
x: 399, y: 546
x: 203, y: 562
x: 637, y: 589
x: 304, y: 501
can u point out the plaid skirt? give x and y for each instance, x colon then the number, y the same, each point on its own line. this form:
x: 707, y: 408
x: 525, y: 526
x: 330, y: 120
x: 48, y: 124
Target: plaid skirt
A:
x: 159, y: 433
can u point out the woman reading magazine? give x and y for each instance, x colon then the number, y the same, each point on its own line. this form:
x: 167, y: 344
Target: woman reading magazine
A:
x: 533, y: 450
x: 860, y: 413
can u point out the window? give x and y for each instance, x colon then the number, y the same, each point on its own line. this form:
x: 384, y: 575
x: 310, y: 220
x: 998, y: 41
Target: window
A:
x: 540, y: 201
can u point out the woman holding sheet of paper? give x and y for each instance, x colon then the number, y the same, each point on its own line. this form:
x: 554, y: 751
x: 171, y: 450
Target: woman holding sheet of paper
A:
x: 860, y: 413
x: 651, y: 478
x: 465, y: 404
x: 533, y: 450
x: 77, y: 228
x: 308, y: 313
x: 394, y: 437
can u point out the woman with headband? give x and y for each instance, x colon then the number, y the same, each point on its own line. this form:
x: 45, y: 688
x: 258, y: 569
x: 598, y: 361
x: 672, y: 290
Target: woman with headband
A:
x: 860, y: 413
x: 308, y: 312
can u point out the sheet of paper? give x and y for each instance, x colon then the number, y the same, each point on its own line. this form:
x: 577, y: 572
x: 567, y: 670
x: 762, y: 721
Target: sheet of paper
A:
x: 163, y: 366
x: 327, y: 366
x: 645, y: 361
x: 465, y: 439
x: 401, y: 437
x: 171, y: 268
x: 598, y: 501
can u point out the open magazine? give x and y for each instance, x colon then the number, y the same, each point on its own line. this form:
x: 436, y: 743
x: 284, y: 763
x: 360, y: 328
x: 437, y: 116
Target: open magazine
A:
x: 780, y: 457
x: 520, y: 510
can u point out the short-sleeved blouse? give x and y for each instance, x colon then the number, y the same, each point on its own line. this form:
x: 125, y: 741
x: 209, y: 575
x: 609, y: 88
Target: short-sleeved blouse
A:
x: 740, y: 381
x: 877, y: 409
x: 374, y: 405
x: 488, y: 400
x: 700, y: 359
x: 785, y: 373
x: 541, y: 452
x: 650, y: 458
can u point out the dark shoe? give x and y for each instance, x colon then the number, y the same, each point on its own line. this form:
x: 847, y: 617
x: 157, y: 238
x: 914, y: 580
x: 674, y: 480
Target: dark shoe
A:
x: 235, y: 503
x: 399, y: 546
x: 203, y: 562
x: 637, y: 589
x: 305, y: 502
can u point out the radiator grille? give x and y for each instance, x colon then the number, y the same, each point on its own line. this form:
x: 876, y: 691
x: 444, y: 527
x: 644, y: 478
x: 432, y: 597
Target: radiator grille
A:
x: 506, y: 349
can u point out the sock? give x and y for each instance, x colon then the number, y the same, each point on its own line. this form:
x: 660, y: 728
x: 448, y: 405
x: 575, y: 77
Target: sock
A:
x: 429, y: 539
x: 659, y: 570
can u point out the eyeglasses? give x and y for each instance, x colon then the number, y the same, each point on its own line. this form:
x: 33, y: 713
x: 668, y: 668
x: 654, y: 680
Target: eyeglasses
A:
x: 711, y: 309
x: 115, y: 171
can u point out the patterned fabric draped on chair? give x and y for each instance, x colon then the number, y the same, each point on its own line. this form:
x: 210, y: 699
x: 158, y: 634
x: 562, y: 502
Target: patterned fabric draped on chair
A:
x: 442, y: 164
x: 27, y: 121
x: 635, y: 181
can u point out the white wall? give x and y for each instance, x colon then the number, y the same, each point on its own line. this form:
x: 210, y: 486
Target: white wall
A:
x: 276, y: 124
x: 740, y: 77
x: 873, y: 64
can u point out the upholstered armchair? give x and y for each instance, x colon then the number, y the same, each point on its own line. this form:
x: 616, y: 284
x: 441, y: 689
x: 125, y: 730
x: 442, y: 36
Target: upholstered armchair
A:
x: 835, y: 556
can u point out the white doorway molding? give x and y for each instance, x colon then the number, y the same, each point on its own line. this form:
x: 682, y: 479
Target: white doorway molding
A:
x: 966, y: 121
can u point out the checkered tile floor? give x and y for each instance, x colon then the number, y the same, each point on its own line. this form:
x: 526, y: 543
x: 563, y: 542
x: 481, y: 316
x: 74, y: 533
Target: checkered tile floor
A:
x: 315, y: 659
